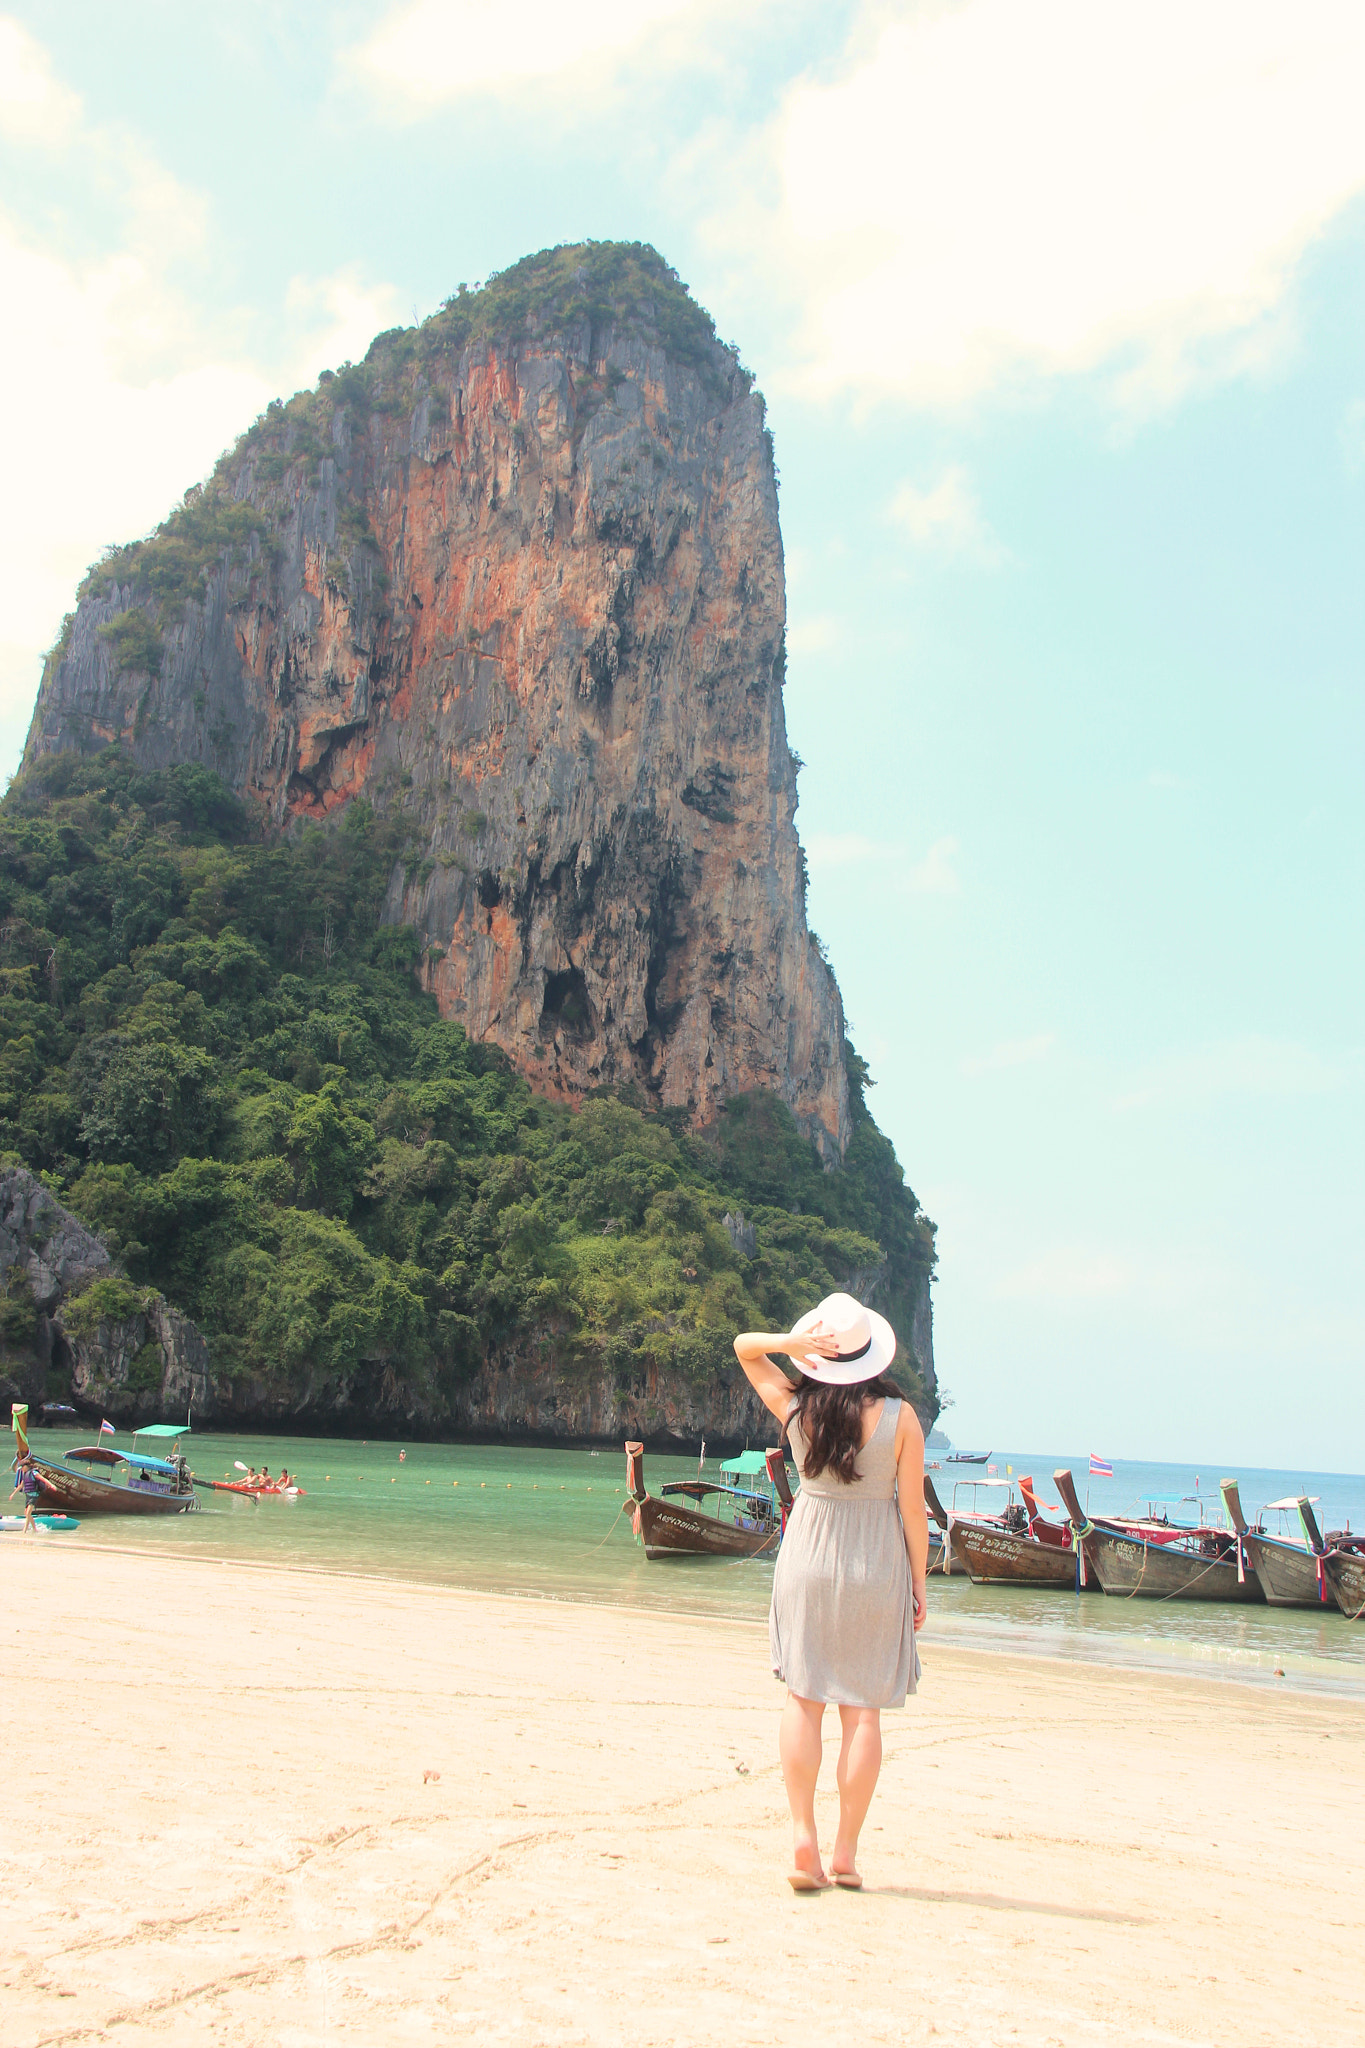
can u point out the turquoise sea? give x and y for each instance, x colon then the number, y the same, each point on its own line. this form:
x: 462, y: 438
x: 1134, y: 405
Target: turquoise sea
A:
x: 548, y: 1524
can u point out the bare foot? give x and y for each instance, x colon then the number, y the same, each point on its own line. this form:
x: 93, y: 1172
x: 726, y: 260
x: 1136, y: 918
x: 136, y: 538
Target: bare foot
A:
x: 807, y: 1872
x: 844, y: 1870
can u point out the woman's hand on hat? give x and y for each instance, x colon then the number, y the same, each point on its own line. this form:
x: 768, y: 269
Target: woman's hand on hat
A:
x: 818, y: 1340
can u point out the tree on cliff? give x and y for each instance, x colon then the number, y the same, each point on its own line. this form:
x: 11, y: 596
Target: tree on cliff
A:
x: 218, y: 1056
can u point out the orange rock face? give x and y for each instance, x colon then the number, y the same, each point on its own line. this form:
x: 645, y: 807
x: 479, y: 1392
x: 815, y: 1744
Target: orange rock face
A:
x: 532, y: 595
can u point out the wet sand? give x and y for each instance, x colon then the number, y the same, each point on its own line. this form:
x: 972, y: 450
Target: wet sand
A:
x: 253, y: 1806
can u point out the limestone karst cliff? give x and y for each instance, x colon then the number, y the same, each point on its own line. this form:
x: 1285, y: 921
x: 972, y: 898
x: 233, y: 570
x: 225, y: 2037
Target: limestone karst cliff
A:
x: 482, y: 642
x: 519, y: 577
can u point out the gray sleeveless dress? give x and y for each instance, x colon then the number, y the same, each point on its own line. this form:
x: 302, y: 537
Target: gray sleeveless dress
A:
x: 841, y: 1625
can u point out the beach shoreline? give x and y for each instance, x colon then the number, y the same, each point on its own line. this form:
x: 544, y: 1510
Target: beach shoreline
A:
x: 301, y: 1806
x: 1210, y: 1663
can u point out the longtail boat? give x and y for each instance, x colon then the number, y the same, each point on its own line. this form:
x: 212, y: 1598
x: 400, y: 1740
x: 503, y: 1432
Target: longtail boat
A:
x: 748, y: 1514
x: 996, y: 1547
x: 146, y: 1485
x: 1342, y: 1558
x: 942, y: 1557
x: 1021, y: 1548
x: 1289, y: 1572
x: 1138, y: 1560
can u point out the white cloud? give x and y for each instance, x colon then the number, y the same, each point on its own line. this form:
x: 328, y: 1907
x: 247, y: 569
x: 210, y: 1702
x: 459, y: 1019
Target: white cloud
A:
x: 839, y: 849
x: 1250, y: 1066
x: 439, y: 50
x: 332, y: 320
x: 998, y: 190
x: 945, y: 516
x: 1067, y: 1273
x: 34, y: 105
x: 129, y: 394
x: 813, y: 636
x: 1012, y: 1052
x: 934, y: 875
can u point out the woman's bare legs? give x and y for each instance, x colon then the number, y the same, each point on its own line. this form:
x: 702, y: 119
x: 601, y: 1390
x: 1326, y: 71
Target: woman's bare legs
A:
x: 860, y: 1761
x: 798, y: 1745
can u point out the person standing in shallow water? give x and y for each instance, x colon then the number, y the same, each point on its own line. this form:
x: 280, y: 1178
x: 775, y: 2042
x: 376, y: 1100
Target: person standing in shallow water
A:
x: 848, y: 1589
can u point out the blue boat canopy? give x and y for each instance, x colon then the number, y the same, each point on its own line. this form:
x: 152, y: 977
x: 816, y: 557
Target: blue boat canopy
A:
x: 747, y: 1462
x: 149, y: 1464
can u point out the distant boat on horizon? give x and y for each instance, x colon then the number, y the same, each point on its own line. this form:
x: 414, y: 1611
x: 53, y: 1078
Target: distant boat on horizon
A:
x: 966, y: 1458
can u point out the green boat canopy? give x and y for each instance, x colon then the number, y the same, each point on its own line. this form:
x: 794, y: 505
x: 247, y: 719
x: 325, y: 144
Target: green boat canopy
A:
x: 745, y: 1463
x: 167, y: 1429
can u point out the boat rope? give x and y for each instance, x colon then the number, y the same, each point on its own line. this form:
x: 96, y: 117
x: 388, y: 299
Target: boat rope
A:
x: 1178, y: 1592
x: 616, y: 1515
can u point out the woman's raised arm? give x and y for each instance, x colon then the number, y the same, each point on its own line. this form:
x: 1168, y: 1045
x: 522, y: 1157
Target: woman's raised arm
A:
x: 769, y: 1382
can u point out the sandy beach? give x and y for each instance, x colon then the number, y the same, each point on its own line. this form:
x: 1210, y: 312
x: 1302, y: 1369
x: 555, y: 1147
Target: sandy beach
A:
x: 253, y: 1805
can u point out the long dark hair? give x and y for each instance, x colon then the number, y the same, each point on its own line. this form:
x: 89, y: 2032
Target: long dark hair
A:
x: 831, y: 1421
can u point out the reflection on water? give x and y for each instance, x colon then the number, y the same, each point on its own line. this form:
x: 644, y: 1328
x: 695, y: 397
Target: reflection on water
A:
x: 550, y: 1523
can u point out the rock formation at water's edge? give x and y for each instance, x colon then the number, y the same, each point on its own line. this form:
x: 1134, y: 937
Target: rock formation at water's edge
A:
x: 515, y: 585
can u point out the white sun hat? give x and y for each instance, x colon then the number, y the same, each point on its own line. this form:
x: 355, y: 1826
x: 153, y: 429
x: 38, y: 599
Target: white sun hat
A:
x: 867, y: 1342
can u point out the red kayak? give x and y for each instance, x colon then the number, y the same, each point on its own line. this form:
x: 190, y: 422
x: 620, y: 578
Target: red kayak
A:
x: 251, y: 1492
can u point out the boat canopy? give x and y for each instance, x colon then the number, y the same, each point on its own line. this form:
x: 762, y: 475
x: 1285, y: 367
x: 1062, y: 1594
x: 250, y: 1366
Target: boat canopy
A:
x: 1290, y: 1502
x: 747, y: 1462
x: 163, y: 1429
x: 149, y: 1464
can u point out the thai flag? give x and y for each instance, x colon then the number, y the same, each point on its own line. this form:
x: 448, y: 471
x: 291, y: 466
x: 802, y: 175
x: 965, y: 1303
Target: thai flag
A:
x: 106, y: 1429
x: 1100, y: 1468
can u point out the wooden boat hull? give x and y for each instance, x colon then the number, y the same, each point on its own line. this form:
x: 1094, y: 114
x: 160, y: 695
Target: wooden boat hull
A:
x: 65, y: 1491
x: 1289, y: 1576
x: 667, y: 1530
x: 1129, y: 1568
x: 999, y: 1557
x: 1345, y: 1571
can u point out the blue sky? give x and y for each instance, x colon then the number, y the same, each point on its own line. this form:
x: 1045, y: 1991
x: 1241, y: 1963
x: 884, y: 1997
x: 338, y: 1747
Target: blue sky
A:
x: 1058, y: 306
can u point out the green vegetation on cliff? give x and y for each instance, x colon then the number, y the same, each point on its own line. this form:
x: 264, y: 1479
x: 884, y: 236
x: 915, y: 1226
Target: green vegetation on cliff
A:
x: 221, y: 1059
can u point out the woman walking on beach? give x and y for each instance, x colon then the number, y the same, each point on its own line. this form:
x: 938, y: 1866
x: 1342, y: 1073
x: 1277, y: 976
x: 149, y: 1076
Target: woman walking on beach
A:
x: 848, y: 1589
